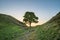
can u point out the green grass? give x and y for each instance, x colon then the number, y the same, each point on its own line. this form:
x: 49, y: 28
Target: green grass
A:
x: 49, y: 30
x: 48, y: 33
x: 10, y: 29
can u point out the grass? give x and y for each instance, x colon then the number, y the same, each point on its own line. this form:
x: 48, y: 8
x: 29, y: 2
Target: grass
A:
x: 11, y: 30
x: 50, y: 30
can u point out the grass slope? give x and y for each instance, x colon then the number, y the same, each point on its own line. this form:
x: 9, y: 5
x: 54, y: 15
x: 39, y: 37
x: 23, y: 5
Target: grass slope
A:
x: 10, y: 28
x: 49, y: 30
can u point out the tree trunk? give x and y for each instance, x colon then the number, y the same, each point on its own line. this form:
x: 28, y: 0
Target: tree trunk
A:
x: 30, y: 26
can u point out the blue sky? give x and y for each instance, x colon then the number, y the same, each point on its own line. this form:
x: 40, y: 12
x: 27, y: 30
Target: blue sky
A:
x: 44, y: 9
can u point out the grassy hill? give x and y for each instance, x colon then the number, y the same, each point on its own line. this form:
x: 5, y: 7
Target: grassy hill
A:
x: 50, y: 30
x: 10, y: 27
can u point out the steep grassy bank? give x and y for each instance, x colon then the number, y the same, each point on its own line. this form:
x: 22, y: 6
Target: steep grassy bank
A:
x: 49, y: 30
x: 10, y: 28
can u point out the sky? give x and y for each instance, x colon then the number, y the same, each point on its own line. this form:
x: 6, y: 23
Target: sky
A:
x: 43, y: 9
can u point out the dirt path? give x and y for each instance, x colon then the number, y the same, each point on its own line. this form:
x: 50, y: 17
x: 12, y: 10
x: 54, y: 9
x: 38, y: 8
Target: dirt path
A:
x: 28, y: 36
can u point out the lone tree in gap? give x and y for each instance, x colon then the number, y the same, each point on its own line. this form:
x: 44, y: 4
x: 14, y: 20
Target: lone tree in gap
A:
x: 29, y: 18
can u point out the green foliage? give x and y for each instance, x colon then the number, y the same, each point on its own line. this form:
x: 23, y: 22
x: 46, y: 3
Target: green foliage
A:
x: 30, y: 17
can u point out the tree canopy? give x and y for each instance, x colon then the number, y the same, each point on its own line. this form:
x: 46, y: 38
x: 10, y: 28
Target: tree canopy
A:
x: 29, y: 18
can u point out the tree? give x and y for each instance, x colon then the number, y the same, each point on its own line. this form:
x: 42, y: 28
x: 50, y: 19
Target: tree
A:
x: 29, y: 18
